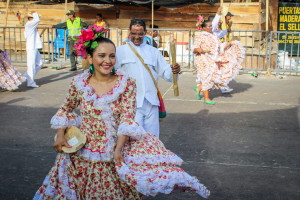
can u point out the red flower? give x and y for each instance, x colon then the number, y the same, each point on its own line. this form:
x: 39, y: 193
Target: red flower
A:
x: 87, y: 34
x: 98, y: 28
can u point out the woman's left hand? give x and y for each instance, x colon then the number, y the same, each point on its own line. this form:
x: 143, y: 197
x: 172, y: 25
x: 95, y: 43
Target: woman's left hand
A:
x: 118, y: 157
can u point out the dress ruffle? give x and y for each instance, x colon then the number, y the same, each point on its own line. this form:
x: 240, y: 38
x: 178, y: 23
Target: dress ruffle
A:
x: 153, y: 168
x: 65, y: 122
x: 133, y: 130
x: 63, y: 178
x: 72, y: 178
x: 10, y: 77
x: 217, y: 68
x: 88, y: 92
x: 151, y: 183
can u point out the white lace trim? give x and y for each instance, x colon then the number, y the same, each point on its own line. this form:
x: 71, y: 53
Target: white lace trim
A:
x: 154, y: 159
x: 103, y: 103
x: 237, y: 61
x: 159, y: 185
x: 63, y: 182
x: 64, y: 122
x: 211, y: 70
x: 106, y: 98
x: 201, y: 78
x: 222, y: 49
x: 89, y: 155
x: 214, y: 36
x: 134, y: 130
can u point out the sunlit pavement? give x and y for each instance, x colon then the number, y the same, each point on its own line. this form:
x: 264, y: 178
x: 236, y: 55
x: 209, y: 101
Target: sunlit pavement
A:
x: 247, y: 146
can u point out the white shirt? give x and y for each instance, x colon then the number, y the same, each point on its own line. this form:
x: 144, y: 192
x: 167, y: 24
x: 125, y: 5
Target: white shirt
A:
x: 214, y: 24
x: 32, y: 36
x: 146, y: 89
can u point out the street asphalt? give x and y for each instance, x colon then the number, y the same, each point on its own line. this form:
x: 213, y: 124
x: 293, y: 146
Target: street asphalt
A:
x: 246, y: 147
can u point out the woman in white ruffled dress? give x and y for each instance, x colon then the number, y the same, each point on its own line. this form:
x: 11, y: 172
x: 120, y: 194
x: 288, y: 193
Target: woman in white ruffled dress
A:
x: 10, y: 78
x: 217, y: 63
x: 119, y: 160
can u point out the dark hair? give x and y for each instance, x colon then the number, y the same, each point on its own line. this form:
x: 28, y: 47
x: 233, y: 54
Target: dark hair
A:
x: 137, y: 22
x: 100, y: 40
x: 210, y: 18
x: 204, y: 23
x: 99, y: 15
x: 154, y: 26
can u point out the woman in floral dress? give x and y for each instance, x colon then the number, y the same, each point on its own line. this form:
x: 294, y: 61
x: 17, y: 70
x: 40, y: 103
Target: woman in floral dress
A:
x: 217, y: 63
x: 10, y: 78
x: 119, y: 160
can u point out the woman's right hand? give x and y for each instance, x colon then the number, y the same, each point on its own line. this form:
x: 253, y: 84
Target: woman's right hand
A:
x: 60, y: 142
x: 200, y: 51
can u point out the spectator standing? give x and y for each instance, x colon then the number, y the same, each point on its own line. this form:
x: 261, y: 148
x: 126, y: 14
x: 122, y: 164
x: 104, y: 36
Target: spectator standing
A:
x: 74, y: 25
x: 227, y: 26
x: 33, y: 44
x: 100, y: 21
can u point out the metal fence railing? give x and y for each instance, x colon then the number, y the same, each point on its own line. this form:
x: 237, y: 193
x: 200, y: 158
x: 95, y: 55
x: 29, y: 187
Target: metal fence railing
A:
x: 255, y: 44
x: 286, y: 51
x: 54, y: 44
x: 275, y: 51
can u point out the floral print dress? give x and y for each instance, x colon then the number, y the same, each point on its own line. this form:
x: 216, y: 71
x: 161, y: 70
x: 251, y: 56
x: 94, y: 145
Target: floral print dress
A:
x: 10, y: 78
x: 91, y: 173
x: 218, y: 67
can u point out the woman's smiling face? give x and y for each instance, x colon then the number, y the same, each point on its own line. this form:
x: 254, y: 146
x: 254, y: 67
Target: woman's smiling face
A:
x: 103, y: 58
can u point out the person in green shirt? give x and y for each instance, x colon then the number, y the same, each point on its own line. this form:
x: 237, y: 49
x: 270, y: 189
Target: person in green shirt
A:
x: 74, y: 25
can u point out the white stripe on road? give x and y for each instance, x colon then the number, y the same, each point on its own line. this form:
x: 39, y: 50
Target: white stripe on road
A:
x: 237, y: 102
x: 167, y: 91
x: 241, y: 165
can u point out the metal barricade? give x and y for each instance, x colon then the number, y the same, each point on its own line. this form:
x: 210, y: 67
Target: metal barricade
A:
x: 284, y: 50
x: 275, y: 51
x: 163, y: 39
x: 181, y: 38
x: 13, y: 40
x: 256, y: 49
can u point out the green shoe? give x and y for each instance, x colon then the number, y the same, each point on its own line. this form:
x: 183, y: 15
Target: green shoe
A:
x: 209, y: 102
x: 197, y: 94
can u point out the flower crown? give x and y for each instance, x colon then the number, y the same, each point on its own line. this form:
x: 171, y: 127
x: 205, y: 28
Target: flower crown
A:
x: 87, y: 39
x: 201, y: 19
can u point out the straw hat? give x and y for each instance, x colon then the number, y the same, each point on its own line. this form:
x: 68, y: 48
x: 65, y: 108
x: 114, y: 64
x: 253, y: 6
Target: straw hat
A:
x: 224, y: 11
x: 74, y: 138
x: 29, y: 15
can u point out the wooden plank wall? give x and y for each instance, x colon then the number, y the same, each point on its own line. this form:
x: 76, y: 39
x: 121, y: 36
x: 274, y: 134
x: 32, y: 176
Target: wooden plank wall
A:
x: 248, y: 16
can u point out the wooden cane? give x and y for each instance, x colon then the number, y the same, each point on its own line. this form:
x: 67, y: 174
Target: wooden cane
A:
x: 173, y: 55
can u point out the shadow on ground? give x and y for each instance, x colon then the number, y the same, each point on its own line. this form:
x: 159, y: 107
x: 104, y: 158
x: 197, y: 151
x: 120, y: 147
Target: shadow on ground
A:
x: 246, y: 155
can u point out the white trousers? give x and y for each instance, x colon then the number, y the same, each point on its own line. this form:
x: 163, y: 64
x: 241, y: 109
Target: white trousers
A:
x: 148, y: 117
x: 34, y: 64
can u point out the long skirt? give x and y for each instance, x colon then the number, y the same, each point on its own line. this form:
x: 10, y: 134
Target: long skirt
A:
x: 217, y: 72
x: 149, y: 169
x: 10, y: 78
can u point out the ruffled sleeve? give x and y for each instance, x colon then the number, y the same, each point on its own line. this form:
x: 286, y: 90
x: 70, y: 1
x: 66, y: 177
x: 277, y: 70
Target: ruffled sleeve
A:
x: 65, y: 116
x: 127, y: 125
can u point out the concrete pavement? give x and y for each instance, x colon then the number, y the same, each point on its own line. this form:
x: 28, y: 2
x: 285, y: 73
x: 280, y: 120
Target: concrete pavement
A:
x: 246, y: 147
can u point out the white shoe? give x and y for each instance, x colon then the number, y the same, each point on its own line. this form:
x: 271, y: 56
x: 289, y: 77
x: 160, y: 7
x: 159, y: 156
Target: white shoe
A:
x: 34, y: 85
x: 226, y: 90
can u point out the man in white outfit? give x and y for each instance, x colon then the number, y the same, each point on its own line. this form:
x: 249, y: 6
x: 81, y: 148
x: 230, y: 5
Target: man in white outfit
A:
x: 147, y: 100
x: 33, y: 43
